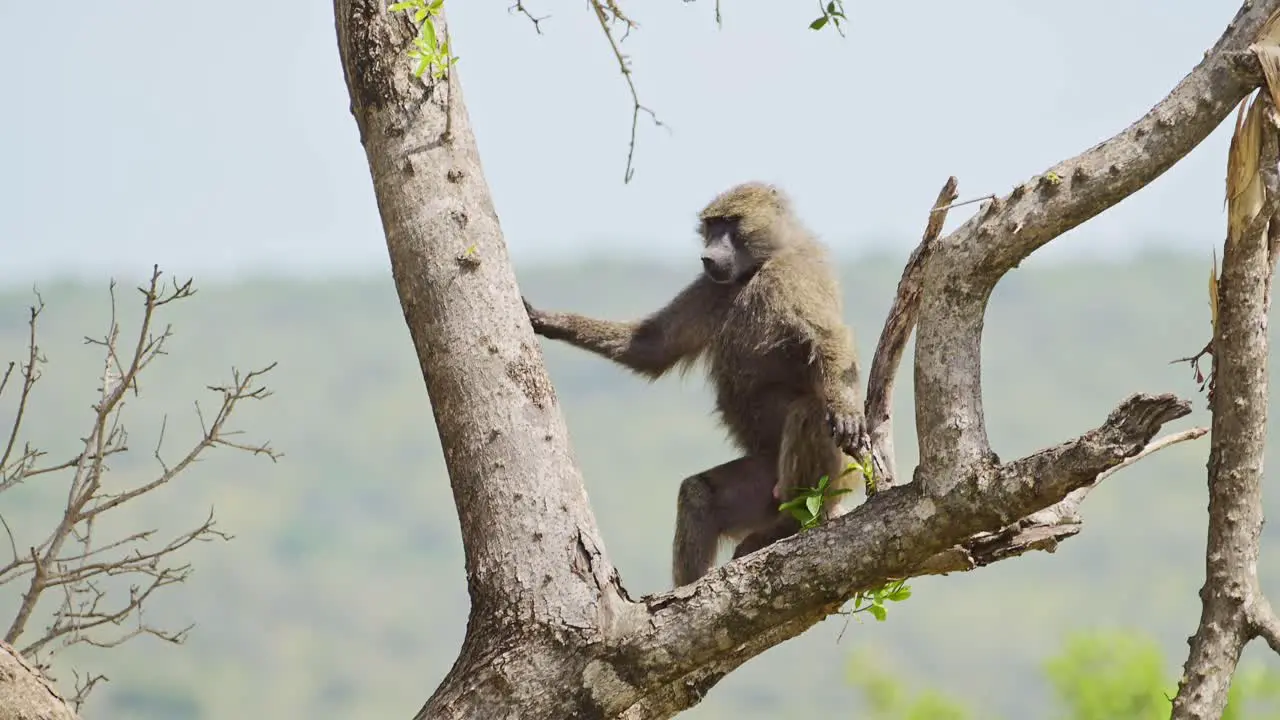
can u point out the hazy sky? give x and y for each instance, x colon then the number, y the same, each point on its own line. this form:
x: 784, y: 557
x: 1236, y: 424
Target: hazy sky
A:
x: 217, y: 135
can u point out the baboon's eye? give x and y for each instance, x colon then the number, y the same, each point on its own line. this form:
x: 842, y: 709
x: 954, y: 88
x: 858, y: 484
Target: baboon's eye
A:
x: 733, y: 225
x: 717, y: 227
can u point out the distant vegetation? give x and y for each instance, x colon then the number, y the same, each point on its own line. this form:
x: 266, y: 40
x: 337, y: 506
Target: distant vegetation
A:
x: 342, y: 594
x: 1096, y: 676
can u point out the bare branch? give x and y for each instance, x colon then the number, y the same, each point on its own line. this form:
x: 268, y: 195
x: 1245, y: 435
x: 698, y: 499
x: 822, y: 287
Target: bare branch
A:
x: 1041, y: 530
x: 13, y: 544
x: 607, y: 11
x: 214, y: 435
x: 70, y: 561
x: 519, y: 7
x: 1194, y: 433
x: 30, y: 372
x: 893, y: 342
x: 84, y: 686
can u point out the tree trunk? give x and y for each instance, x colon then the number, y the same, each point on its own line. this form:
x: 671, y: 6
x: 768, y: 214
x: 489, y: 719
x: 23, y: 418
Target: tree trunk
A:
x: 505, y: 441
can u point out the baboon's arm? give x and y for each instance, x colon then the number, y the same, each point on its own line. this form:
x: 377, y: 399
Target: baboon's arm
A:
x: 836, y: 362
x: 677, y: 333
x: 838, y: 366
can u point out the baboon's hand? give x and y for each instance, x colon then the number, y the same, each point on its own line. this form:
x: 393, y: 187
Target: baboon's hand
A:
x: 849, y: 429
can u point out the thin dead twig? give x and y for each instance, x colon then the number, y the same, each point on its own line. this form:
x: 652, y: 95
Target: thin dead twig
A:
x: 519, y: 7
x: 30, y: 372
x: 607, y: 12
x: 1042, y: 530
x: 84, y: 686
x: 1155, y: 446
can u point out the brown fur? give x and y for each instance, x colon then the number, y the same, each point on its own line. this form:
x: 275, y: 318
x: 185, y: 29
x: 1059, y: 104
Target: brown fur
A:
x: 780, y: 358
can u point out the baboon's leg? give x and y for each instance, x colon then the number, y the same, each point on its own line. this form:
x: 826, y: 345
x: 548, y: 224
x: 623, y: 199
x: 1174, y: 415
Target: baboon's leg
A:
x: 727, y: 500
x: 806, y: 453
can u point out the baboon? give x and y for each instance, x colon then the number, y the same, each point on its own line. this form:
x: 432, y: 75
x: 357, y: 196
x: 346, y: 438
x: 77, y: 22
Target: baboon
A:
x: 765, y: 314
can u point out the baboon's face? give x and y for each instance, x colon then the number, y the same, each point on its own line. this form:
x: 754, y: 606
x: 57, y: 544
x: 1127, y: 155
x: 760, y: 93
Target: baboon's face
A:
x: 725, y: 257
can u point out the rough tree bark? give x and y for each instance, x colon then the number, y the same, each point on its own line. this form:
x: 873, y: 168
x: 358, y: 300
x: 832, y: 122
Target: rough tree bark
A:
x: 526, y: 522
x: 1233, y: 607
x: 552, y: 633
x: 1231, y: 593
x: 25, y: 693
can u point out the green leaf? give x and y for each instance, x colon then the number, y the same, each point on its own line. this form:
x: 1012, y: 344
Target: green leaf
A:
x: 429, y: 34
x: 397, y: 7
x: 900, y: 594
x: 813, y: 504
x: 878, y: 611
x: 435, y: 6
x: 819, y: 23
x: 420, y: 15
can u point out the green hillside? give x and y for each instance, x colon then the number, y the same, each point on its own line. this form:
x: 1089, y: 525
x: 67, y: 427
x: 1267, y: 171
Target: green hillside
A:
x: 342, y: 594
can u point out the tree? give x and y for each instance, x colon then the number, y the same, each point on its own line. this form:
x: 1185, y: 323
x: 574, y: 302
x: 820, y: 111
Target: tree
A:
x: 88, y: 583
x: 1233, y: 607
x: 549, y: 611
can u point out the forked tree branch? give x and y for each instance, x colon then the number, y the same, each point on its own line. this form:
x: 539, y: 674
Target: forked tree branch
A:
x: 970, y: 261
x: 893, y: 342
x: 1042, y: 530
x: 547, y: 606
